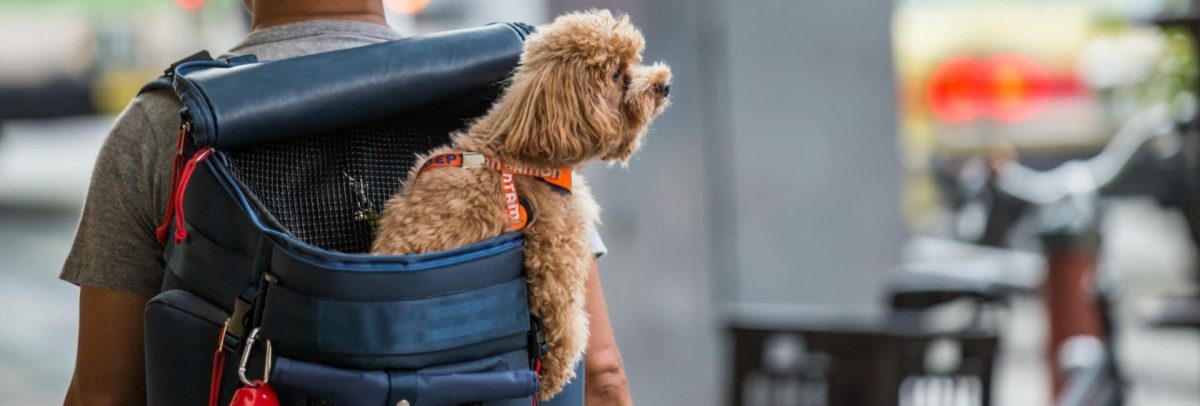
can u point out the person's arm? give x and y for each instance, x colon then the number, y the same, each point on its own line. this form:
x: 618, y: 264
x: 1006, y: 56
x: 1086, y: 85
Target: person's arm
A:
x: 116, y: 259
x: 110, y: 357
x: 605, y: 373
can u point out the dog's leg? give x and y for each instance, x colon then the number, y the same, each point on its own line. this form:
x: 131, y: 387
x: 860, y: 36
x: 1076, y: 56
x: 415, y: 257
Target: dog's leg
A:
x: 557, y: 260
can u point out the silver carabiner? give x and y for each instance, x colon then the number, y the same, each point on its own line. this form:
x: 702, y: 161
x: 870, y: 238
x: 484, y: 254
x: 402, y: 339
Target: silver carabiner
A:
x: 246, y: 359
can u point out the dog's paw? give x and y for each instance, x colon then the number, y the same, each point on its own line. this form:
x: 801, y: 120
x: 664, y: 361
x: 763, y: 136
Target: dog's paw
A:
x: 564, y: 353
x: 555, y: 374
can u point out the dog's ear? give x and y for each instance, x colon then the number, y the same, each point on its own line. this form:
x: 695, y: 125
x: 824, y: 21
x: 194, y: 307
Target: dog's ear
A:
x: 552, y: 114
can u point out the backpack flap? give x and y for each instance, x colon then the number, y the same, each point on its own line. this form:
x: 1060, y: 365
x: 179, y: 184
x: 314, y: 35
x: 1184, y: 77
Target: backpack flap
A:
x: 234, y: 105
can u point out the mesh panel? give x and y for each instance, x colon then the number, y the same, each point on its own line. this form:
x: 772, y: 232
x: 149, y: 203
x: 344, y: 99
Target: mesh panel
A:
x: 328, y: 189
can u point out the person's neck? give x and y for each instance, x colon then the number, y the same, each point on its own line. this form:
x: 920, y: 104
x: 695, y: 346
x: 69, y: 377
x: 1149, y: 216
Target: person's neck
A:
x: 269, y: 13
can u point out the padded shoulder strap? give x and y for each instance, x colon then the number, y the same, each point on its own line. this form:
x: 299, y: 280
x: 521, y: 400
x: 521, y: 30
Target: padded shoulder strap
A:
x: 164, y: 81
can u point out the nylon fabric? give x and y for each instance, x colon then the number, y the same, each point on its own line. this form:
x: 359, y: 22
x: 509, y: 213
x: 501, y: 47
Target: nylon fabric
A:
x: 515, y: 342
x: 396, y: 327
x: 215, y: 273
x: 289, y: 203
x: 390, y: 281
x: 260, y: 103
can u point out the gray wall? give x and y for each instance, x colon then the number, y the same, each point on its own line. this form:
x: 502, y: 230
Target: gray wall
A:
x: 812, y: 131
x: 773, y: 178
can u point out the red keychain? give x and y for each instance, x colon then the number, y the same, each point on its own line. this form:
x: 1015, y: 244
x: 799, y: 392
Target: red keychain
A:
x: 258, y: 392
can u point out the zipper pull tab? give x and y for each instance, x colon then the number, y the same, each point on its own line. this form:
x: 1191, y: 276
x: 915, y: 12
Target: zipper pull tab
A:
x: 184, y: 178
x: 185, y: 130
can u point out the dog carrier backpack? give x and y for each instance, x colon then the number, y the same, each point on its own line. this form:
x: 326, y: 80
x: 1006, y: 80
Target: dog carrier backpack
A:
x: 282, y: 172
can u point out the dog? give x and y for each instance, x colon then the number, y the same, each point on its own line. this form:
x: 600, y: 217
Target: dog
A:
x: 580, y: 93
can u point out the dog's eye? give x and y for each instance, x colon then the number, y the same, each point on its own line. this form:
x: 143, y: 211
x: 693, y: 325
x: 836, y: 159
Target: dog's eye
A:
x: 618, y: 75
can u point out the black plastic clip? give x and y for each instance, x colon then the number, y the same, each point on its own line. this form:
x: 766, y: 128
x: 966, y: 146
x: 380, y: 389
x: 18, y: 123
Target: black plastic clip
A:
x: 537, y: 341
x: 242, y: 308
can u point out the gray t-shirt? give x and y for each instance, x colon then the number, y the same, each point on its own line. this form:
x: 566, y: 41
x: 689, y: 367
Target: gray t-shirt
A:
x: 116, y: 247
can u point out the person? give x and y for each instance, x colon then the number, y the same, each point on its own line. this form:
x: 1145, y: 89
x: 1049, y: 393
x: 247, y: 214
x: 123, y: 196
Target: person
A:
x: 117, y: 261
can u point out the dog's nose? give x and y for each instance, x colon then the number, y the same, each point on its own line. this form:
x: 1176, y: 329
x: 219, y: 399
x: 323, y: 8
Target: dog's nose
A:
x: 663, y: 89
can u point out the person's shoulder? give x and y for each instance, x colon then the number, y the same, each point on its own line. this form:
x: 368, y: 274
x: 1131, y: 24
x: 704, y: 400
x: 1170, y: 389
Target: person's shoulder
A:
x: 158, y: 106
x: 153, y: 114
x: 145, y: 133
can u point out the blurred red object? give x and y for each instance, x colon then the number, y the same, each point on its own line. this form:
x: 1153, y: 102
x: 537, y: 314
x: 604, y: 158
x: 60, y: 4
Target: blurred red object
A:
x: 1016, y: 88
x: 954, y: 90
x: 189, y: 5
x: 1008, y: 88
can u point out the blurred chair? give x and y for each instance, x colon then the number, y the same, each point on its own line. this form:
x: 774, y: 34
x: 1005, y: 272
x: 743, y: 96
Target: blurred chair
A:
x: 839, y: 358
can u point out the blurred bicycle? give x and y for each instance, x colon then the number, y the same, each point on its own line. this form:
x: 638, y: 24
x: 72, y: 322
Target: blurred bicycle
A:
x: 1148, y: 156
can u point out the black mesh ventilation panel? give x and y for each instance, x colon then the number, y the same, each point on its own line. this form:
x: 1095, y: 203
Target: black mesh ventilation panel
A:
x: 328, y: 189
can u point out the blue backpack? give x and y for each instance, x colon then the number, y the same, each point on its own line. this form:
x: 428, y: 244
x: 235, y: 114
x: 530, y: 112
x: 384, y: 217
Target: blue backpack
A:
x: 283, y: 169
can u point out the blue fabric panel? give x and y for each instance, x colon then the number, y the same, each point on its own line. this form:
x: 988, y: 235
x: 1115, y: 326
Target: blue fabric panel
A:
x: 212, y: 205
x: 428, y: 387
x: 402, y: 387
x: 213, y: 261
x: 215, y: 273
x: 181, y: 332
x: 453, y: 389
x: 395, y: 327
x: 516, y: 342
x: 572, y: 394
x: 316, y: 276
x: 339, y: 386
x: 248, y: 104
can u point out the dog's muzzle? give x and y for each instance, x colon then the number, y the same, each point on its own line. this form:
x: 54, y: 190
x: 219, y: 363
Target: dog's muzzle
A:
x: 663, y: 89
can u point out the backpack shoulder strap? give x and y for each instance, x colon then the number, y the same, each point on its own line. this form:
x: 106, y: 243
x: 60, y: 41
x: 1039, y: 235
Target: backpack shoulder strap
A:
x: 165, y: 81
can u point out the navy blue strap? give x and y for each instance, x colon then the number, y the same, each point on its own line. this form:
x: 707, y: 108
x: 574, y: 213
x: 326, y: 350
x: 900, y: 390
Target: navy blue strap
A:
x: 488, y: 263
x: 454, y: 389
x: 165, y: 81
x: 325, y: 326
x: 160, y: 83
x: 352, y: 387
x: 335, y: 385
x: 213, y: 272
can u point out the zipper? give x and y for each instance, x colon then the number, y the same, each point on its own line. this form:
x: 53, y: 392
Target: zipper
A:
x: 184, y: 177
x: 185, y: 130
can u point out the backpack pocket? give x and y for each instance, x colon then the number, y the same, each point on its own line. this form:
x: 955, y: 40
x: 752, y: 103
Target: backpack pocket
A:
x: 182, y: 333
x: 501, y: 380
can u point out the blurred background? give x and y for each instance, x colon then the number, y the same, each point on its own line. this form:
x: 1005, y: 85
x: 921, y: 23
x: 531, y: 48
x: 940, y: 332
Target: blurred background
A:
x: 911, y: 202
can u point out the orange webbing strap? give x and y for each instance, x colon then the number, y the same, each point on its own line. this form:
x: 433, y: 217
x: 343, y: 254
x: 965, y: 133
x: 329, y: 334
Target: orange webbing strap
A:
x: 518, y: 217
x: 442, y: 160
x: 560, y: 177
x: 563, y: 180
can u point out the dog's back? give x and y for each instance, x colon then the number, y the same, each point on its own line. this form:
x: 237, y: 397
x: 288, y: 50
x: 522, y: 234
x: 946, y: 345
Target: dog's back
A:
x: 446, y: 208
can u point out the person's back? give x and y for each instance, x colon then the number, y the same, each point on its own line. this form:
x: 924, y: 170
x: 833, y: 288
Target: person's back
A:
x: 116, y: 257
x: 135, y: 186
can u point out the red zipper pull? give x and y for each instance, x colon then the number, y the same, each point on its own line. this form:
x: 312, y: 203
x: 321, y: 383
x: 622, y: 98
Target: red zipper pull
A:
x: 218, y: 368
x: 537, y: 369
x: 176, y: 167
x: 184, y: 178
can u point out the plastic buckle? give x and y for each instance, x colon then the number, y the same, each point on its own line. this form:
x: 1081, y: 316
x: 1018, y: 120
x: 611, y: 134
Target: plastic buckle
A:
x: 237, y: 324
x: 199, y: 56
x: 537, y: 341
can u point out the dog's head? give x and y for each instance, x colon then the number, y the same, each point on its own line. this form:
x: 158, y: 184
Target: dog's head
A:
x: 579, y: 93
